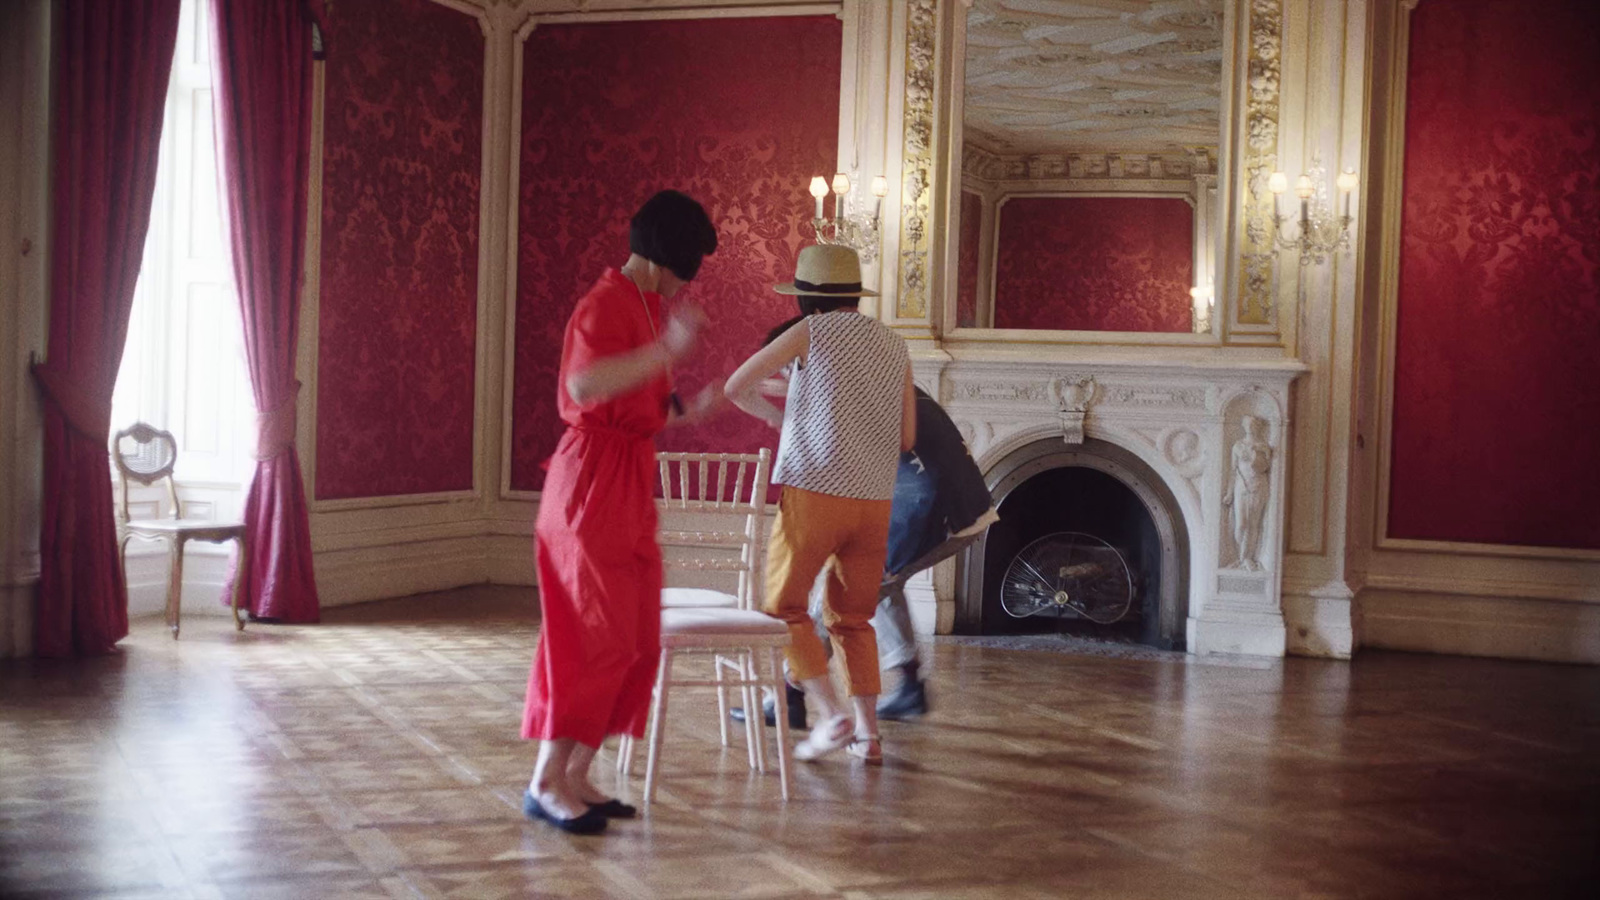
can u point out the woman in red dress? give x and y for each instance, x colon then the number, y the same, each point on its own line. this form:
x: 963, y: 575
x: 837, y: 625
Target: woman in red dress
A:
x: 599, y: 564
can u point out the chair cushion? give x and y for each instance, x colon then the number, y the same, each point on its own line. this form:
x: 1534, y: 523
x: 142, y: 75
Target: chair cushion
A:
x: 706, y: 622
x: 188, y: 529
x: 697, y: 597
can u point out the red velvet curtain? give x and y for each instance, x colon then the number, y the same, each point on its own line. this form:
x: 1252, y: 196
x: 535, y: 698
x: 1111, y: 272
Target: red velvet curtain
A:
x: 264, y: 137
x: 111, y: 62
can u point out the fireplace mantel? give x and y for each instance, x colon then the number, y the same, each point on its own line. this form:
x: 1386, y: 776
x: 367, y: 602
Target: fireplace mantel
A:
x: 1188, y: 414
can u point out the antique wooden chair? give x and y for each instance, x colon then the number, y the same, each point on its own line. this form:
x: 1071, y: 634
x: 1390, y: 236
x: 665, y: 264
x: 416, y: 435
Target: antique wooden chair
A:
x: 146, y: 455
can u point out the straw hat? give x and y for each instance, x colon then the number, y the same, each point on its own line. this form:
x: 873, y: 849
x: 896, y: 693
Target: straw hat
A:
x: 826, y: 270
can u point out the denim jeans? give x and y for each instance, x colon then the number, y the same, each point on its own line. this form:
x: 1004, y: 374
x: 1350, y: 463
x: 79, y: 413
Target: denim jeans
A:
x: 891, y: 625
x: 915, y: 526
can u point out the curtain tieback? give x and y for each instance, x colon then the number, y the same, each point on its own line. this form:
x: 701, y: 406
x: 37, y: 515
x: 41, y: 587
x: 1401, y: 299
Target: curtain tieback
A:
x: 275, y: 427
x: 87, y: 413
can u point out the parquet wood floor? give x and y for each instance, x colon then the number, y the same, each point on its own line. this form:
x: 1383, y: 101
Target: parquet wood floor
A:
x: 376, y: 756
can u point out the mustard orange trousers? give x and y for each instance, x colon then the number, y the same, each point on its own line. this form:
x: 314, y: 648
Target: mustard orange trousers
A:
x: 851, y: 538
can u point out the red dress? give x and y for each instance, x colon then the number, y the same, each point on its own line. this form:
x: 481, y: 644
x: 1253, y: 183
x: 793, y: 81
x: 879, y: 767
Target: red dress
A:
x: 595, y: 538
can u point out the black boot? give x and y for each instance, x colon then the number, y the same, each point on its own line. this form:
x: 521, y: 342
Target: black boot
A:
x: 909, y: 699
x: 769, y: 709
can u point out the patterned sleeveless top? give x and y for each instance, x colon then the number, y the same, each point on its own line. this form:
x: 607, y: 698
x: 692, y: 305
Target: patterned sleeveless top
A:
x: 841, y: 425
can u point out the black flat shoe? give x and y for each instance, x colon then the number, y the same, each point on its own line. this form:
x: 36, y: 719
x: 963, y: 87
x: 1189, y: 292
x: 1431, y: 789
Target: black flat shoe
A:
x: 769, y: 709
x: 909, y: 701
x: 590, y: 822
x: 614, y: 809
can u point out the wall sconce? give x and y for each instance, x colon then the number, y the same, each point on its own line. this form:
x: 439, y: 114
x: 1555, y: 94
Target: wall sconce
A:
x: 1321, y: 232
x: 848, y: 227
x: 1205, y: 301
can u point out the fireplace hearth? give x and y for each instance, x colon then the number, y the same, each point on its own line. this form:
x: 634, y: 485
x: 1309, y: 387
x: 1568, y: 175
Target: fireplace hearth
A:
x: 1100, y: 491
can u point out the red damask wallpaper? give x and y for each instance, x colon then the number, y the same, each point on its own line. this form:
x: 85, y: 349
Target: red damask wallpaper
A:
x: 967, y: 260
x: 1497, y: 368
x: 739, y: 114
x: 1095, y: 264
x: 402, y: 161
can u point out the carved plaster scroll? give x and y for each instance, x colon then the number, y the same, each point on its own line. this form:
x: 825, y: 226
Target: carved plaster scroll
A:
x: 1004, y: 391
x: 969, y: 433
x: 1072, y: 397
x: 1182, y: 448
x: 917, y: 157
x: 1257, y: 259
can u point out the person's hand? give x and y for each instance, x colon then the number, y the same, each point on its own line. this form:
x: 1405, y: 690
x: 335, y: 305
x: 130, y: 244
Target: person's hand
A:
x: 709, y: 401
x: 683, y: 330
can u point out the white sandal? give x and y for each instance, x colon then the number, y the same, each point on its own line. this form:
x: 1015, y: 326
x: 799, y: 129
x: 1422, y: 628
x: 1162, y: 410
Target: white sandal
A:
x: 868, y: 749
x: 826, y: 737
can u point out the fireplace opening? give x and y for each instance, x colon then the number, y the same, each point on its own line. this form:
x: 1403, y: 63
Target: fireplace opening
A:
x: 1075, y: 514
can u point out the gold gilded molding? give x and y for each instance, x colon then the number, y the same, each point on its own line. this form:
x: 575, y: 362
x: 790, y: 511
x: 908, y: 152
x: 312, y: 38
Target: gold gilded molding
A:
x: 1258, y: 259
x: 1174, y: 165
x: 917, y: 158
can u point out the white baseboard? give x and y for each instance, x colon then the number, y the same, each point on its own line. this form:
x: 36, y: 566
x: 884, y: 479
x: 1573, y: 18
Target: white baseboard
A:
x: 363, y: 554
x: 204, y: 568
x: 1456, y: 603
x: 16, y: 619
x: 399, y: 570
x: 508, y: 559
x: 1236, y: 634
x: 1506, y: 627
x: 1319, y: 626
x: 1475, y: 603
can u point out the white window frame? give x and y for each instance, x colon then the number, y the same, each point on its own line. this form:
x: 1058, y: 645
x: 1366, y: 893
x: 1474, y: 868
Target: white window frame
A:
x: 183, y: 366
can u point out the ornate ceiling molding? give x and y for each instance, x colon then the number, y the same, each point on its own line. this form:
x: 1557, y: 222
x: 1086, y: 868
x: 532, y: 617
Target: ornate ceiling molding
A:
x: 1045, y: 77
x: 1177, y: 165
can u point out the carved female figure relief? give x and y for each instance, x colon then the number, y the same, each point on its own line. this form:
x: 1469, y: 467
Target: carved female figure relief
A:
x: 1246, y: 498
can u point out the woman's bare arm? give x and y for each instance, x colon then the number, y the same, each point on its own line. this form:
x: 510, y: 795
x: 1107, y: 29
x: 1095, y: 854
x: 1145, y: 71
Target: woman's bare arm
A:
x: 705, y: 404
x: 614, y: 375
x: 744, y: 384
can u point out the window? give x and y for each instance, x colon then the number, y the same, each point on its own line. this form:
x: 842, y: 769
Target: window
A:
x: 183, y: 367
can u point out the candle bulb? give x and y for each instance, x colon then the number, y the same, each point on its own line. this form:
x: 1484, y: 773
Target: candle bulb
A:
x: 841, y: 184
x: 819, y: 189
x: 880, y: 189
x: 1304, y: 189
x: 1278, y: 183
x: 1347, y: 184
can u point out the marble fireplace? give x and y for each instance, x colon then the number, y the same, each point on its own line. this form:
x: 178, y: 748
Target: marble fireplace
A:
x: 1199, y: 441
